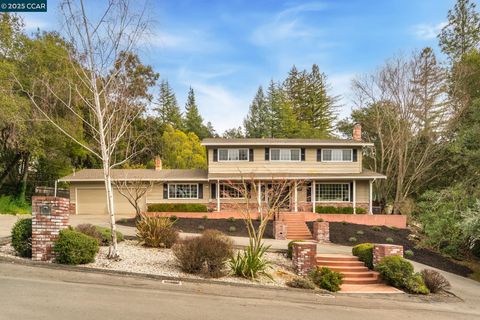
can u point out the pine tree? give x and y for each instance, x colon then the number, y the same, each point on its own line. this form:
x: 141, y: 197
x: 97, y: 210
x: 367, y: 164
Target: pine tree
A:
x: 193, y: 120
x: 168, y: 110
x: 462, y: 33
x: 284, y: 123
x: 257, y: 122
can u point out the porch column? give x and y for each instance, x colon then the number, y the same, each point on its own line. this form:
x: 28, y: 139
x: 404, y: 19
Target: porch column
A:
x: 354, y: 199
x: 370, y: 208
x: 295, y: 204
x: 313, y: 195
x: 218, y: 195
x: 259, y: 197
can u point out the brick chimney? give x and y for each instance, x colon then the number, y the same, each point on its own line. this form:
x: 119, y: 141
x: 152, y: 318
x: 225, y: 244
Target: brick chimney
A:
x: 357, y: 132
x: 158, y: 163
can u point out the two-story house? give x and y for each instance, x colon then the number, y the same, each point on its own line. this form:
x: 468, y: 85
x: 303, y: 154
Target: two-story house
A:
x: 324, y: 172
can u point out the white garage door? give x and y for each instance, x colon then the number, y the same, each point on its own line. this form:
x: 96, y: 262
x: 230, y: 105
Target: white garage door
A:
x: 93, y: 201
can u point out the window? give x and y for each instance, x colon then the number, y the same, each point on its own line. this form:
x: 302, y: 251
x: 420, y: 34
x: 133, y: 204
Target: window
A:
x: 183, y: 191
x: 233, y: 155
x: 285, y: 154
x: 232, y: 191
x: 332, y: 192
x: 337, y: 155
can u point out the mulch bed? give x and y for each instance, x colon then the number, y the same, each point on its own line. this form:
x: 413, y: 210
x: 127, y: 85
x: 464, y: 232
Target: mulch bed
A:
x: 198, y: 225
x: 341, y: 232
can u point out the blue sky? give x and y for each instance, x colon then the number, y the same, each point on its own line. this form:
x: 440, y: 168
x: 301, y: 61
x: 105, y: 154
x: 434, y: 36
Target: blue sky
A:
x: 226, y: 49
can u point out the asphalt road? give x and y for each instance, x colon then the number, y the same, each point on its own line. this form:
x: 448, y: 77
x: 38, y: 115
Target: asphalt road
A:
x: 28, y: 292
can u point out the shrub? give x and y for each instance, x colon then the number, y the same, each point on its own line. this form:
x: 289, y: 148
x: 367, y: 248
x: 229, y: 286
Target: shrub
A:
x: 250, y: 263
x: 352, y: 239
x: 344, y: 223
x: 434, y: 280
x: 339, y: 210
x: 290, y: 248
x: 157, y: 232
x: 22, y: 237
x: 177, y: 207
x: 231, y: 219
x: 320, y: 220
x: 10, y: 205
x: 377, y: 228
x: 326, y: 279
x: 73, y: 247
x: 232, y: 229
x: 205, y: 217
x: 301, y: 283
x: 389, y: 240
x: 415, y: 284
x: 360, y: 232
x: 101, y: 234
x: 364, y: 252
x: 210, y: 251
x: 395, y: 270
x: 408, y: 253
x: 173, y: 218
x: 201, y: 227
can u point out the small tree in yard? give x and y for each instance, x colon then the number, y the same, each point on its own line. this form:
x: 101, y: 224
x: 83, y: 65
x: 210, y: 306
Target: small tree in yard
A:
x: 134, y: 191
x: 108, y: 87
x: 277, y: 194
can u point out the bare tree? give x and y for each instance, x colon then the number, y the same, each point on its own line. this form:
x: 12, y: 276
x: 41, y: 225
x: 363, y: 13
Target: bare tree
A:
x: 107, y: 108
x: 405, y: 109
x: 133, y: 190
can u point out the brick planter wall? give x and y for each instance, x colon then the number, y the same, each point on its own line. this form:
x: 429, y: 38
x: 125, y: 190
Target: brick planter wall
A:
x: 280, y: 230
x: 381, y: 251
x: 50, y: 215
x: 303, y: 257
x: 321, y: 231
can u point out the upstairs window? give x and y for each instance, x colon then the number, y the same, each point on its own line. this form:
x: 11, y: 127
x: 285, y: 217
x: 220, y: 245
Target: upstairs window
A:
x: 337, y: 155
x: 284, y: 154
x: 233, y: 155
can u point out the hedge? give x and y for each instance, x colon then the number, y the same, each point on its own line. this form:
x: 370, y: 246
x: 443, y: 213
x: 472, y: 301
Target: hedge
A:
x: 73, y: 247
x: 22, y: 237
x: 177, y: 207
x: 339, y: 210
x: 364, y: 252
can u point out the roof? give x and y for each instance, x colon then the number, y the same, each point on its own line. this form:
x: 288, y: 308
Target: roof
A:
x: 365, y: 174
x: 282, y: 142
x: 139, y: 174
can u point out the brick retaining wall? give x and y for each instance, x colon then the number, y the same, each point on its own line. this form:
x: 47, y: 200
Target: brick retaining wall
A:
x: 303, y: 256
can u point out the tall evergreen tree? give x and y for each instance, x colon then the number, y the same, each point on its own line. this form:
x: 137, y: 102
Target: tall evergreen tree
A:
x: 257, y: 123
x: 168, y: 110
x: 283, y: 122
x: 193, y: 120
x: 462, y: 33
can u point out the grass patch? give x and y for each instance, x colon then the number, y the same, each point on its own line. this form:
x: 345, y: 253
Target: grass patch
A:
x: 10, y: 205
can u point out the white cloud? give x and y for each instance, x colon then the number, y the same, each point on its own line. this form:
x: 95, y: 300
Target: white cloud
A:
x: 192, y: 41
x: 426, y: 31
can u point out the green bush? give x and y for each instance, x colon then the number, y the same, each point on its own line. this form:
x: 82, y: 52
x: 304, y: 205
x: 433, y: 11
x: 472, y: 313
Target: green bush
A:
x: 290, y: 248
x: 101, y: 234
x: 232, y: 229
x: 320, y: 220
x: 22, y: 237
x: 395, y: 270
x: 156, y: 232
x: 339, y: 210
x: 360, y: 232
x: 434, y: 280
x: 300, y: 283
x: 377, y: 228
x: 73, y: 247
x: 408, y: 253
x: 208, y: 252
x: 364, y: 252
x: 415, y: 284
x: 326, y: 279
x: 201, y: 227
x: 10, y: 205
x: 250, y: 263
x: 389, y: 240
x: 177, y: 207
x: 231, y: 219
x: 352, y: 239
x: 173, y: 218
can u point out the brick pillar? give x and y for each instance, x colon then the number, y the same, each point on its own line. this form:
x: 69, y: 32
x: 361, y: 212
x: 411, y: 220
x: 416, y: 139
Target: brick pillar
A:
x: 280, y: 230
x: 303, y: 257
x: 321, y: 232
x: 50, y: 215
x: 381, y: 251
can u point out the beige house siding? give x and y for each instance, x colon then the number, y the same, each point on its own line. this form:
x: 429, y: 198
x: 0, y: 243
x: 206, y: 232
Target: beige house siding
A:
x: 310, y: 165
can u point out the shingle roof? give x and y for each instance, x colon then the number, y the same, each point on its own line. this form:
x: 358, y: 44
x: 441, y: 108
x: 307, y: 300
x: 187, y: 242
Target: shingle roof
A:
x: 139, y: 174
x: 365, y: 174
x: 284, y: 142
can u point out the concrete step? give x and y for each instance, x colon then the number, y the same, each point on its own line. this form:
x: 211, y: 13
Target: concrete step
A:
x: 336, y: 263
x: 348, y: 280
x: 335, y: 257
x: 365, y: 274
x: 342, y: 269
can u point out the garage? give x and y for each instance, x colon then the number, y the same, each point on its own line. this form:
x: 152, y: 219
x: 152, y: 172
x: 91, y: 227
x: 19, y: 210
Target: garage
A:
x: 93, y: 201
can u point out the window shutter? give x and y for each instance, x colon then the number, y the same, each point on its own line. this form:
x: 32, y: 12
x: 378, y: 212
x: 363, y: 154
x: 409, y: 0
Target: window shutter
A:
x: 250, y: 155
x: 351, y: 191
x: 354, y: 155
x: 200, y: 191
x: 319, y: 155
x: 267, y: 154
x: 215, y: 155
x: 309, y: 192
x: 165, y: 191
x: 213, y: 191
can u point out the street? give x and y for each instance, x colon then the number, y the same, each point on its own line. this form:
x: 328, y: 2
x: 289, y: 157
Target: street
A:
x: 30, y: 292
